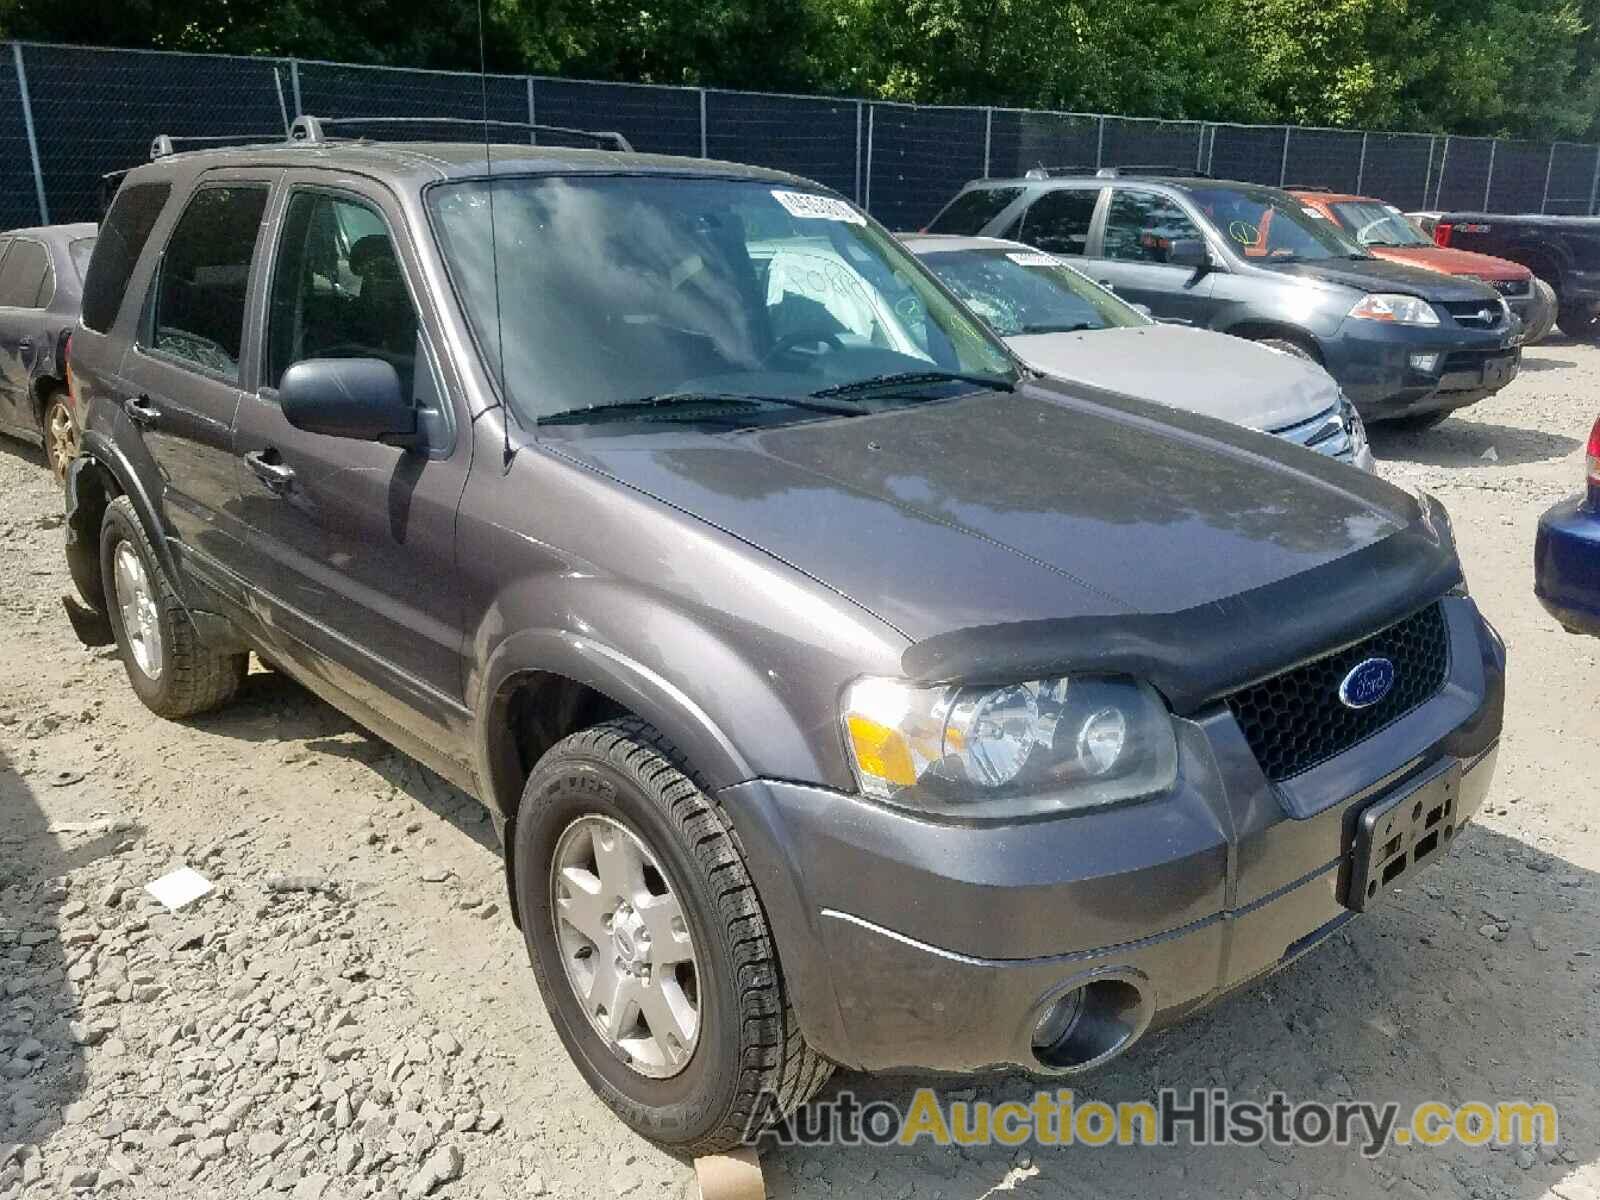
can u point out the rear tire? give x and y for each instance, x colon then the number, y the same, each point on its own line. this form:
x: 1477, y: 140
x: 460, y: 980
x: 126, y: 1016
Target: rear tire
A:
x: 58, y: 426
x: 1290, y: 346
x: 1578, y: 322
x: 171, y: 670
x: 622, y: 786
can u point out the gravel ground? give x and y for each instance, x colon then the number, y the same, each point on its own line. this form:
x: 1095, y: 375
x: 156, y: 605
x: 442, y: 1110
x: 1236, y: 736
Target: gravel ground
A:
x: 350, y: 1014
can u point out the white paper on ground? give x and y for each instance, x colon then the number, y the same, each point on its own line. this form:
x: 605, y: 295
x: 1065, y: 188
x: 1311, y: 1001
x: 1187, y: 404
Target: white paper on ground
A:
x: 180, y: 887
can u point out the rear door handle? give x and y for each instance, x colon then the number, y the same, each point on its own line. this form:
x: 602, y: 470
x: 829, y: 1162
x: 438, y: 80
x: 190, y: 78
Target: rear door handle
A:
x: 271, y: 469
x: 141, y: 412
x: 25, y: 344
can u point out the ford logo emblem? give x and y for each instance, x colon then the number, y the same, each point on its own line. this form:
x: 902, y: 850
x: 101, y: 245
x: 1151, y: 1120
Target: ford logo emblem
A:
x: 1367, y: 683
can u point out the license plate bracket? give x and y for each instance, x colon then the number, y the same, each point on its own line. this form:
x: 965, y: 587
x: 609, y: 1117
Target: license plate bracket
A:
x: 1397, y: 834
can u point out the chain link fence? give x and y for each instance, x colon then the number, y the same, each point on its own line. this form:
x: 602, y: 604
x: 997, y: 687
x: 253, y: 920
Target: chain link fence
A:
x: 69, y: 115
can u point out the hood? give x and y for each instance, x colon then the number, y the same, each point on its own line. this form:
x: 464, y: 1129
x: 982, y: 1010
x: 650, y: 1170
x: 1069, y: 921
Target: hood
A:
x: 1454, y: 262
x: 1223, y: 377
x: 1377, y: 275
x: 1046, y: 505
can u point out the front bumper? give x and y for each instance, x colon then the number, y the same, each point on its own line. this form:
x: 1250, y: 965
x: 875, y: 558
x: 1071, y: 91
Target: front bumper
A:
x: 1566, y: 564
x: 911, y: 944
x: 1372, y: 362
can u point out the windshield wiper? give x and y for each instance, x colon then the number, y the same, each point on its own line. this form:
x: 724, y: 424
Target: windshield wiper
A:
x: 878, y: 383
x: 1046, y: 327
x: 576, y: 416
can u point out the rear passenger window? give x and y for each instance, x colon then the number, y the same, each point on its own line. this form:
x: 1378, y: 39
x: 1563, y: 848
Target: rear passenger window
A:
x: 969, y: 212
x: 1141, y: 226
x: 338, y: 290
x: 205, y: 272
x: 121, y: 240
x: 22, y: 274
x: 1058, y: 221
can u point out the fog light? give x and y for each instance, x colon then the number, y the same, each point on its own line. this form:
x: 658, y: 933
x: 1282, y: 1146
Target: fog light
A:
x: 1424, y: 363
x: 1058, y: 1021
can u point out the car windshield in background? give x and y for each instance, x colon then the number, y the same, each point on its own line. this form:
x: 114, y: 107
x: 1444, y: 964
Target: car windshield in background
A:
x: 617, y: 290
x: 1376, y: 224
x: 1024, y: 291
x: 1263, y: 224
x: 80, y: 250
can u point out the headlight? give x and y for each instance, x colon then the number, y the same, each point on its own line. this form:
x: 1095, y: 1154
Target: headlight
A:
x: 1400, y: 310
x: 1353, y: 424
x: 1020, y: 749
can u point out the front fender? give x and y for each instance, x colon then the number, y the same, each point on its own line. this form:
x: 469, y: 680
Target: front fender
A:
x: 582, y: 659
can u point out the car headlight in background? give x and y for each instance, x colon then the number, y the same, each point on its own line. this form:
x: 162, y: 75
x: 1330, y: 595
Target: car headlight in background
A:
x: 1021, y: 749
x: 1395, y: 308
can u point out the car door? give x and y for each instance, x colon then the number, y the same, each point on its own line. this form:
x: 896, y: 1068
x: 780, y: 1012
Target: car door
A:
x: 24, y: 278
x: 1140, y: 226
x: 181, y: 376
x: 353, y: 542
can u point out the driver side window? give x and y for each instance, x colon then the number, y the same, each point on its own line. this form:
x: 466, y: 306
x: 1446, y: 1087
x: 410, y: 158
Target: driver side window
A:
x: 338, y: 290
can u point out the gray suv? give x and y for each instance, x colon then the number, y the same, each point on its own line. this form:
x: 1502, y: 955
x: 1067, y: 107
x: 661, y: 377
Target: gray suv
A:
x: 842, y: 694
x: 1405, y: 344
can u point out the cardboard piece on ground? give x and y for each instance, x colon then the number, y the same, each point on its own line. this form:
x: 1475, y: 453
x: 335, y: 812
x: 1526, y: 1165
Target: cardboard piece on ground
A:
x: 732, y: 1176
x: 180, y: 887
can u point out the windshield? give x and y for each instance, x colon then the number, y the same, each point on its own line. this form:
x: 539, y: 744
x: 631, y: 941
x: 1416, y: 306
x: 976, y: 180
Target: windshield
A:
x: 617, y: 289
x: 1375, y: 224
x: 1264, y: 224
x: 1025, y: 291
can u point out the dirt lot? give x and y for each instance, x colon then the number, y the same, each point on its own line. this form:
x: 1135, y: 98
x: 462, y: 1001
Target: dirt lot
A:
x: 380, y: 1036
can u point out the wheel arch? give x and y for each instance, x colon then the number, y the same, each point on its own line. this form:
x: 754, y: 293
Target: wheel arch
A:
x: 97, y: 476
x: 542, y: 685
x: 1255, y: 329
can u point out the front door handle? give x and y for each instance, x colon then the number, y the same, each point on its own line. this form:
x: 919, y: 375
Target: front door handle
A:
x: 271, y: 469
x: 141, y: 412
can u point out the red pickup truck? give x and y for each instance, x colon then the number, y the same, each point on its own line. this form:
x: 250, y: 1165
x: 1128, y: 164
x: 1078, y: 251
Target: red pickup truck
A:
x: 1388, y: 233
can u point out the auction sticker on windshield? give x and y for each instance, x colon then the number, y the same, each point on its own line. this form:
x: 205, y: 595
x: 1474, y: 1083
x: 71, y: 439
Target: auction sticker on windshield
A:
x: 811, y: 207
x: 1032, y: 259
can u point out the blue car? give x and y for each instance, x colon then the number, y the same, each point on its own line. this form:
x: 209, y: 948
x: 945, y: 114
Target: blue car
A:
x: 1566, y: 557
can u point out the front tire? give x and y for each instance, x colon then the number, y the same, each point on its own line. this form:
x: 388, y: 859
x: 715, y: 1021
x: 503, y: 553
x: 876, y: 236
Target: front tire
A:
x: 650, y: 946
x: 171, y: 670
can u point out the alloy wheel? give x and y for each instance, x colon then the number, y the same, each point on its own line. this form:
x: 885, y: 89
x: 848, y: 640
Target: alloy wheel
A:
x: 625, y: 946
x: 141, y: 619
x: 60, y: 438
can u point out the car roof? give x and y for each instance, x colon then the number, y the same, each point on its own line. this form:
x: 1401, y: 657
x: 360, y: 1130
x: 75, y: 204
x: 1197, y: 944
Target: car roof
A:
x: 1101, y: 181
x: 57, y: 234
x: 1318, y: 196
x: 418, y: 163
x: 933, y: 243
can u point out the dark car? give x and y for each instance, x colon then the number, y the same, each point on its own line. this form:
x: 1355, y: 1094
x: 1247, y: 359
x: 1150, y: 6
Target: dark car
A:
x: 1562, y: 251
x: 839, y: 697
x: 1240, y: 258
x: 41, y: 279
x: 1566, y: 554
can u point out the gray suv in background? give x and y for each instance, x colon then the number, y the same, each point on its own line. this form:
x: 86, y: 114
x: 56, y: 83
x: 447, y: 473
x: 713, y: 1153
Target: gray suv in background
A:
x: 839, y: 697
x: 1405, y: 344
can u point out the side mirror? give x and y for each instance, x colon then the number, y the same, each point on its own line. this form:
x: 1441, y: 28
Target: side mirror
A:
x: 1189, y: 252
x: 357, y: 398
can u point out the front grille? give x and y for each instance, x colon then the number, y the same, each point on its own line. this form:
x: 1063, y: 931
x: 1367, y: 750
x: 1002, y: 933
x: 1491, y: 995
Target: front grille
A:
x: 1296, y: 720
x: 1470, y: 360
x: 1475, y: 314
x: 1325, y: 433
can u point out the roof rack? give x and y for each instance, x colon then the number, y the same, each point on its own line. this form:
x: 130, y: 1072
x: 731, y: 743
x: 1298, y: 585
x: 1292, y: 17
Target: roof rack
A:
x: 164, y: 144
x: 312, y: 130
x: 1042, y: 172
x: 1308, y: 187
